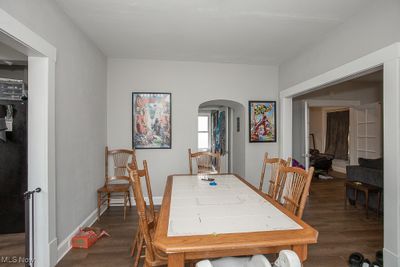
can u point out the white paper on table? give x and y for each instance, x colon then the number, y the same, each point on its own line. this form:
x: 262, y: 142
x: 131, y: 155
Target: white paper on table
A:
x: 229, y: 207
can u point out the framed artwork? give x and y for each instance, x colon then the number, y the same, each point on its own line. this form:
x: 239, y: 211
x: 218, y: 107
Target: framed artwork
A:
x: 262, y: 121
x: 151, y: 120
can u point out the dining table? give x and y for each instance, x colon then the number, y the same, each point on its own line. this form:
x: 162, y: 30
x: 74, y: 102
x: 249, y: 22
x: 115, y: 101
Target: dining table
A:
x: 212, y: 216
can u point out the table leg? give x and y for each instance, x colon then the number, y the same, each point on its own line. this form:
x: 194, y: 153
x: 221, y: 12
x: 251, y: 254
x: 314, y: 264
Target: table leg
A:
x: 345, y: 197
x: 176, y: 260
x: 366, y: 202
x: 301, y: 251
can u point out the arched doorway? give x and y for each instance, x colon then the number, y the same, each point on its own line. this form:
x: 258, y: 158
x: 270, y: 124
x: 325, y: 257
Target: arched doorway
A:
x: 225, y: 133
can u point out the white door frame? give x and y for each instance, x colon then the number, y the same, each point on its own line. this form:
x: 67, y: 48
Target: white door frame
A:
x: 306, y: 135
x: 389, y: 58
x: 41, y: 133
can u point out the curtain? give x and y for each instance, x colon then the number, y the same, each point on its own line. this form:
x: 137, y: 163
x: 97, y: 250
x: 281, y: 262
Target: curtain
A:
x: 219, y: 132
x: 337, y: 132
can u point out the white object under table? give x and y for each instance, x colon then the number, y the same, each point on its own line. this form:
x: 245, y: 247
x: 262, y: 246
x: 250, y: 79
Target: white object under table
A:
x: 231, y: 206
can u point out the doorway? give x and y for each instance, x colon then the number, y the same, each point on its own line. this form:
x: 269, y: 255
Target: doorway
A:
x: 389, y: 58
x: 222, y: 131
x: 342, y: 140
x: 358, y: 104
x: 14, y: 149
x: 41, y: 58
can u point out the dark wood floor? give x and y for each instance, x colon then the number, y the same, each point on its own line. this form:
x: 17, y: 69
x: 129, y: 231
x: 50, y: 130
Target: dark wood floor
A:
x: 12, y: 245
x: 341, y: 232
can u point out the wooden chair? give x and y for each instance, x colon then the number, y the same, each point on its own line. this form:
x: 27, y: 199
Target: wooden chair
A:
x: 118, y: 183
x: 274, y: 163
x: 152, y: 214
x: 207, y: 162
x: 293, y: 185
x: 153, y: 256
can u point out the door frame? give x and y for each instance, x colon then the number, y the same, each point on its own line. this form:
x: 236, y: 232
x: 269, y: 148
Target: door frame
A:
x: 389, y: 58
x: 41, y: 130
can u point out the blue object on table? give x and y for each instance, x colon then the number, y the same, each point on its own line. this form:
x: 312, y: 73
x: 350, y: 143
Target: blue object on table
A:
x: 213, y: 183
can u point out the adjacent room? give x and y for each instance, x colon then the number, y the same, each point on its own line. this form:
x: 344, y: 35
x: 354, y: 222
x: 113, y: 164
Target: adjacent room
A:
x: 14, y: 149
x: 342, y: 139
x: 199, y: 133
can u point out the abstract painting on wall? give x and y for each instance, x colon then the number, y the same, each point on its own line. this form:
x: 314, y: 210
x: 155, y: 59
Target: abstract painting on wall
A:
x: 151, y: 125
x: 262, y: 121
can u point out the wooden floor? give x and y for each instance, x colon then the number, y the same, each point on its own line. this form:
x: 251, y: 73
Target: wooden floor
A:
x: 12, y: 245
x: 341, y: 232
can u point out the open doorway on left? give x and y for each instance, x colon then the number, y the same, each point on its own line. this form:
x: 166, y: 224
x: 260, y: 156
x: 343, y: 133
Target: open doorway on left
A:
x: 13, y: 150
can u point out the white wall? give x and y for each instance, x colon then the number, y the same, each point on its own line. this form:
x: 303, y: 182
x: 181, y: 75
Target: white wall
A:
x: 7, y: 53
x: 370, y: 29
x: 298, y: 132
x: 190, y: 84
x: 13, y: 72
x: 316, y: 127
x: 365, y: 92
x: 80, y: 109
x: 239, y: 139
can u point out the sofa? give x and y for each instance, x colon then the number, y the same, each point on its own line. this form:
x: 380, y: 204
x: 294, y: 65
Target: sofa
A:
x: 369, y: 171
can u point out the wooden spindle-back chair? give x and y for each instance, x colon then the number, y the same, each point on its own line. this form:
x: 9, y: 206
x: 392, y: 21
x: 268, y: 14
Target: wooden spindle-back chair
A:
x: 293, y: 188
x: 116, y: 178
x: 152, y: 215
x: 207, y: 162
x: 153, y: 256
x: 274, y: 164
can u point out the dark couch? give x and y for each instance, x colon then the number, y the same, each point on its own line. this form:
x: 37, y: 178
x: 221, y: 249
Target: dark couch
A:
x: 368, y: 171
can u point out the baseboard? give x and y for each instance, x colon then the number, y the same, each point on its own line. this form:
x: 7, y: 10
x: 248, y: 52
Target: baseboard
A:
x: 390, y: 259
x: 65, y: 245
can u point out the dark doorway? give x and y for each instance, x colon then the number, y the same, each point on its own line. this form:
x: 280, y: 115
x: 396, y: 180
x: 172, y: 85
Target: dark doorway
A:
x: 13, y: 151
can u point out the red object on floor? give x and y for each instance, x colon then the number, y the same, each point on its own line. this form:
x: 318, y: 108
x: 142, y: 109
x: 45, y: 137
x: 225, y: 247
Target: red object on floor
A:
x: 84, y: 239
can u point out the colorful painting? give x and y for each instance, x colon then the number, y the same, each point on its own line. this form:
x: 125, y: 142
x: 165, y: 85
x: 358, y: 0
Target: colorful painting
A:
x: 262, y: 121
x: 151, y: 120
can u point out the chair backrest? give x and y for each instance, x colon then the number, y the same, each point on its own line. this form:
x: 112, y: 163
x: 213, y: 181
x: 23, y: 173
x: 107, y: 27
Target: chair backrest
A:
x: 274, y: 164
x: 144, y: 173
x: 293, y: 185
x: 141, y: 207
x: 116, y: 168
x: 207, y: 162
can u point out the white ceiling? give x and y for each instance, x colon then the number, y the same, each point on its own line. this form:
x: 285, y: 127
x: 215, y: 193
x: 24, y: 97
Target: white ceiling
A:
x: 236, y: 31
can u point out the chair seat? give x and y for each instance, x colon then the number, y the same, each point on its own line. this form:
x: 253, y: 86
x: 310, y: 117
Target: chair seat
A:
x: 114, y: 188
